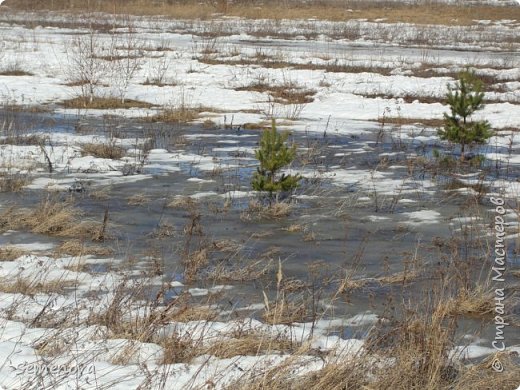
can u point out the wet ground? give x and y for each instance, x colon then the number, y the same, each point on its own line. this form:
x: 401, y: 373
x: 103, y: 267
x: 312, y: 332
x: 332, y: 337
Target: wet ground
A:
x: 336, y: 227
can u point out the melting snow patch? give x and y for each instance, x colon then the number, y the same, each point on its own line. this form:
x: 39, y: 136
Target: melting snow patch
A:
x: 422, y: 217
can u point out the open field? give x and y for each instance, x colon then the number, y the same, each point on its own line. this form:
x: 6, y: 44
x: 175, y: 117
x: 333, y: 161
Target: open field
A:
x: 135, y: 252
x: 415, y: 12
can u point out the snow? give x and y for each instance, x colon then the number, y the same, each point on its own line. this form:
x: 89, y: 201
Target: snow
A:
x: 351, y: 105
x: 423, y: 216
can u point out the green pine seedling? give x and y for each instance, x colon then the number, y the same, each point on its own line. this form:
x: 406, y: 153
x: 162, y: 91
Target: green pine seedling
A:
x: 465, y: 99
x: 273, y: 155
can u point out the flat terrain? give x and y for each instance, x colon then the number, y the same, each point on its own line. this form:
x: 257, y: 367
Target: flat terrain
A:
x: 134, y: 253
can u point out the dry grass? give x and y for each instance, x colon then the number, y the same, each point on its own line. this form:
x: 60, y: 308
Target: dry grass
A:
x: 32, y: 287
x: 295, y: 228
x: 10, y: 253
x: 53, y: 217
x: 239, y: 271
x: 163, y: 230
x: 288, y: 93
x: 51, y: 347
x: 482, y: 377
x: 104, y: 150
x: 399, y: 277
x: 407, y: 98
x: 15, y: 72
x: 421, y: 13
x: 283, y: 311
x: 188, y: 313
x: 177, y: 114
x: 179, y: 350
x: 252, y: 344
x: 228, y: 246
x: 401, y: 121
x: 104, y: 103
x: 12, y: 182
x: 411, y: 351
x: 102, y: 194
x: 138, y: 200
x: 193, y: 263
x: 159, y: 83
x: 274, y: 63
x: 24, y: 139
x: 476, y: 302
x: 77, y: 247
x: 182, y: 202
x: 256, y: 210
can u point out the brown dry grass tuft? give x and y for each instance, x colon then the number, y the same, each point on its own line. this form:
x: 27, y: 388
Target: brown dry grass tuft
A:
x: 103, y: 150
x: 187, y: 313
x: 182, y: 202
x: 102, y: 194
x: 53, y: 217
x: 257, y: 210
x: 33, y: 287
x: 304, y: 95
x: 101, y: 103
x: 476, y: 302
x: 138, y: 200
x: 252, y: 344
x: 12, y: 182
x: 283, y: 311
x: 295, y: 228
x: 10, y: 253
x: 288, y: 93
x: 15, y: 72
x: 177, y: 115
x: 401, y: 121
x: 179, y: 349
x: 399, y: 277
x: 193, y: 263
x: 76, y: 247
x: 482, y: 376
x: 407, y: 98
x: 24, y: 139
x: 239, y: 271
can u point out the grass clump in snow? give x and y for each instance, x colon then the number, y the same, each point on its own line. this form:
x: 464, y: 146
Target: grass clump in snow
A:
x: 107, y: 150
x: 177, y: 114
x: 75, y: 247
x: 24, y: 139
x: 104, y: 103
x: 474, y: 302
x: 14, y: 68
x: 53, y: 217
x: 276, y: 210
x: 12, y: 182
x: 34, y: 286
x: 287, y: 93
x: 10, y: 253
x: 252, y: 344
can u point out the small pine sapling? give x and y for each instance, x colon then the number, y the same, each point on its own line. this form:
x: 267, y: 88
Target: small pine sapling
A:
x: 273, y: 155
x: 465, y: 99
